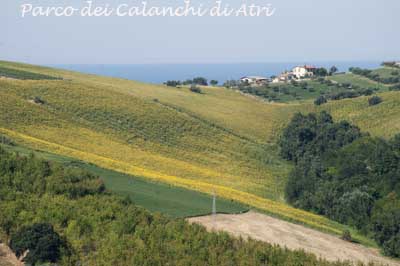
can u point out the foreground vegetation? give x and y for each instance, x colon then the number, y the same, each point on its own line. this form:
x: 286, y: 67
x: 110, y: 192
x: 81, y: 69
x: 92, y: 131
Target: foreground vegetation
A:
x: 70, y: 215
x: 345, y: 174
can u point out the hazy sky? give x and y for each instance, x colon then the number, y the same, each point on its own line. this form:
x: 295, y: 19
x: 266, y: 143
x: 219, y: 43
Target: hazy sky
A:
x: 300, y: 30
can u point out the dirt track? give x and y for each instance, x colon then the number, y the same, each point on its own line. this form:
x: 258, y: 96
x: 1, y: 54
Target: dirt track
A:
x: 7, y: 258
x: 265, y: 228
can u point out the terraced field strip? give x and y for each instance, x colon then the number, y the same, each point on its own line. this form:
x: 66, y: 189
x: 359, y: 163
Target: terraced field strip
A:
x: 159, y: 197
x: 274, y: 208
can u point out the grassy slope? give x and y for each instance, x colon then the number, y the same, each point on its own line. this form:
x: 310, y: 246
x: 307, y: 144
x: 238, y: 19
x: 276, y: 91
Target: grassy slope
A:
x: 220, y: 140
x: 386, y: 72
x: 361, y: 81
x: 154, y: 196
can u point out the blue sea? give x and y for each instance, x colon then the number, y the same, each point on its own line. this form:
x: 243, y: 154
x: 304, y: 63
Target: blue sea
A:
x: 159, y: 73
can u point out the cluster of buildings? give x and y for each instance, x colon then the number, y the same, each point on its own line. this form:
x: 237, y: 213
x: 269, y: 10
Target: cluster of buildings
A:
x: 392, y: 63
x: 297, y: 73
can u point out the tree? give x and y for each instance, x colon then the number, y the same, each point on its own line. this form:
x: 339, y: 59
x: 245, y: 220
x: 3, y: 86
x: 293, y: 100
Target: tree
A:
x: 354, y: 208
x: 200, y: 81
x: 386, y: 226
x: 231, y: 84
x: 187, y: 82
x: 374, y: 100
x: 172, y: 83
x: 214, y: 82
x: 320, y: 100
x: 333, y: 70
x: 40, y: 240
x: 321, y: 72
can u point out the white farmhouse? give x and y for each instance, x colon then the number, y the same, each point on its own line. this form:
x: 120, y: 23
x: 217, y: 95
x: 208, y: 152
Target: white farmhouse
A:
x: 303, y: 71
x: 255, y: 80
x: 284, y: 77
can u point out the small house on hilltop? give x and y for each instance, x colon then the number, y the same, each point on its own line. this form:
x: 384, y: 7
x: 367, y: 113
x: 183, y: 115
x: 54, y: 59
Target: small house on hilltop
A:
x: 255, y: 80
x: 284, y: 77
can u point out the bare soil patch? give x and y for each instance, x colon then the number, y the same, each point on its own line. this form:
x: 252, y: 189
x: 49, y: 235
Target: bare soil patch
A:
x: 272, y: 230
x: 7, y: 257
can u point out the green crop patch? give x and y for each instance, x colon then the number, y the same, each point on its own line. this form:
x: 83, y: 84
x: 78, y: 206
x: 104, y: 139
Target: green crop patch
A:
x: 153, y: 196
x: 24, y: 75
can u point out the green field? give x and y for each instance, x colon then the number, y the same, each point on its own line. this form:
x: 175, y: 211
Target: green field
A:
x: 156, y: 197
x: 220, y: 140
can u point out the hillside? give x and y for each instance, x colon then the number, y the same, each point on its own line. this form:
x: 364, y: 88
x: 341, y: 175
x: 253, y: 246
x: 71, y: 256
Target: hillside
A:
x: 219, y: 141
x: 56, y: 215
x: 154, y: 196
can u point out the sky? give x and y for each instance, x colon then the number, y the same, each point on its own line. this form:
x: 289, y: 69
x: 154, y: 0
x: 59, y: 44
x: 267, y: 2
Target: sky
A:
x: 299, y: 30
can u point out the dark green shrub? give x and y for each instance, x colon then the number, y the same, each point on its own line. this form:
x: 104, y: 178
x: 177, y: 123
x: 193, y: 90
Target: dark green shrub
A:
x: 375, y: 100
x: 7, y: 141
x: 38, y: 100
x: 214, y: 82
x: 41, y: 242
x: 395, y: 87
x: 320, y: 100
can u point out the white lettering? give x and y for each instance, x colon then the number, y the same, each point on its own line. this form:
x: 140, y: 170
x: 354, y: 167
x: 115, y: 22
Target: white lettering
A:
x: 25, y: 9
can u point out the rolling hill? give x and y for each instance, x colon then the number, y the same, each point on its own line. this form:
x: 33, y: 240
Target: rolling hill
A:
x: 219, y: 140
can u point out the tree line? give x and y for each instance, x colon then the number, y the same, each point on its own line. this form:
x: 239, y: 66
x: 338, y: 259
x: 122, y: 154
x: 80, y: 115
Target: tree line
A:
x: 346, y: 175
x: 195, y: 81
x: 393, y: 79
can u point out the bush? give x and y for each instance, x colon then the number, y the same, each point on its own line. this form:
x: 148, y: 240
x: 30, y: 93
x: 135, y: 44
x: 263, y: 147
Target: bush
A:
x: 38, y: 100
x: 346, y: 236
x: 41, y: 242
x: 374, y: 100
x: 195, y: 89
x: 320, y: 100
x: 5, y: 140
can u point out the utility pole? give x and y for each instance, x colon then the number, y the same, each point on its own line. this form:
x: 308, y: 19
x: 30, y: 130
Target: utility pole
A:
x: 214, y: 210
